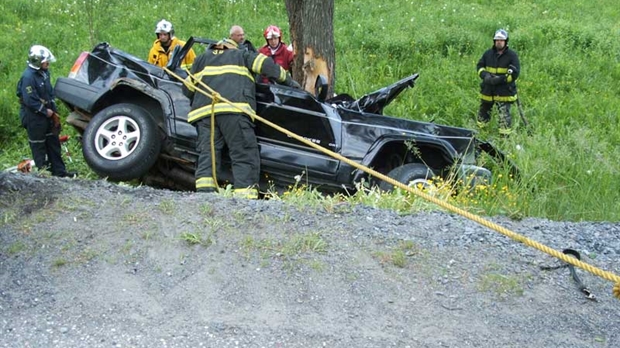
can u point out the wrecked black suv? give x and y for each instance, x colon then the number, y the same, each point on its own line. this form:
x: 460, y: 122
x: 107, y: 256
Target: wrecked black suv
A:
x: 133, y: 120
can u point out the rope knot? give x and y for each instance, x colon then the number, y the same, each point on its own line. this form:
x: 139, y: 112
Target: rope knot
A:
x: 216, y: 97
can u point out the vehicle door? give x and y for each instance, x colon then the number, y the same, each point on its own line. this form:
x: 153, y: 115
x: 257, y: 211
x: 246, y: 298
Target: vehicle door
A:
x: 299, y: 112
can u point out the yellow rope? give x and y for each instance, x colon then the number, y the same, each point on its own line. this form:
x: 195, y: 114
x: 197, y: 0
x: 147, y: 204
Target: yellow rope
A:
x: 484, y: 222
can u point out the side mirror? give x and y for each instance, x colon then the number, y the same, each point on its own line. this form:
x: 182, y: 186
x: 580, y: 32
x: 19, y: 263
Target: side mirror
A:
x: 320, y: 88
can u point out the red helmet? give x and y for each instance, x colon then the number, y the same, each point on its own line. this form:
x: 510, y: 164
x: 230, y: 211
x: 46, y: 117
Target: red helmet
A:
x: 271, y: 32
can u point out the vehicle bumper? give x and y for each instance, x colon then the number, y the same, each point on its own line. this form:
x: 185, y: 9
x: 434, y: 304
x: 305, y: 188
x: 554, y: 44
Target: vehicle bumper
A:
x: 472, y: 175
x: 76, y: 93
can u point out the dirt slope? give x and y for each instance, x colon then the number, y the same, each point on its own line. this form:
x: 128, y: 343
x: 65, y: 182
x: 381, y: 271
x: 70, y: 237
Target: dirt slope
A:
x: 93, y: 264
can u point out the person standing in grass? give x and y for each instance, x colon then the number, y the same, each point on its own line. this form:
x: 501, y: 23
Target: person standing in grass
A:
x: 38, y: 112
x: 499, y: 69
x: 164, y: 45
x: 238, y: 35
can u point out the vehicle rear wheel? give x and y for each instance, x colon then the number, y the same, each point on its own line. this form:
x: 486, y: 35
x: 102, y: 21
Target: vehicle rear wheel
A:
x: 410, y: 174
x: 121, y: 142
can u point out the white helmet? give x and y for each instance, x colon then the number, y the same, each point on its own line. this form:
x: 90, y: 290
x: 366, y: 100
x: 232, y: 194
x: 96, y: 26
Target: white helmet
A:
x: 164, y: 26
x: 38, y: 55
x: 501, y: 34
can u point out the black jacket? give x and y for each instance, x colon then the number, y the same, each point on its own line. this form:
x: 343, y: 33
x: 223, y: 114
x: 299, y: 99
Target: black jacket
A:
x: 248, y: 46
x: 230, y: 72
x: 502, y: 89
x: 35, y: 92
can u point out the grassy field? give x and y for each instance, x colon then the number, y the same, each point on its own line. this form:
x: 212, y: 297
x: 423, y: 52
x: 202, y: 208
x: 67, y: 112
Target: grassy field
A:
x: 569, y: 89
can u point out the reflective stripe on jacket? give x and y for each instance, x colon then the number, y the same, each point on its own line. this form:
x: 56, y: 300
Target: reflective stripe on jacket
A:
x: 282, y: 56
x: 159, y: 56
x: 230, y: 72
x: 498, y: 64
x: 36, y: 91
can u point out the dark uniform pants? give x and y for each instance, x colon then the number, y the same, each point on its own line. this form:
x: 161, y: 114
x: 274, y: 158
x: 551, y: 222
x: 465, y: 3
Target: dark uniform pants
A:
x: 236, y: 131
x: 503, y: 108
x: 44, y: 143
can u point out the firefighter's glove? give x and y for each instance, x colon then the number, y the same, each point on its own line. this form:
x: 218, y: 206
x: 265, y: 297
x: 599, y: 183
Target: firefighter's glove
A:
x: 495, y: 80
x: 56, y: 121
x: 500, y: 80
x: 292, y: 83
x: 488, y: 79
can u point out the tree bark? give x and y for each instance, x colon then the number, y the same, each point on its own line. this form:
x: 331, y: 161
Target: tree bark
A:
x: 311, y: 24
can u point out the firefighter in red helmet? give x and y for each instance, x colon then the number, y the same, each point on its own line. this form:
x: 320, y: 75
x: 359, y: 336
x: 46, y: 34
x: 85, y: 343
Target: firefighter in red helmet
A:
x: 276, y: 49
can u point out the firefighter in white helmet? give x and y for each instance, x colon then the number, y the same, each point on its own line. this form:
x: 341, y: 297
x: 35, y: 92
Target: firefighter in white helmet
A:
x: 38, y: 112
x: 498, y: 68
x: 165, y: 44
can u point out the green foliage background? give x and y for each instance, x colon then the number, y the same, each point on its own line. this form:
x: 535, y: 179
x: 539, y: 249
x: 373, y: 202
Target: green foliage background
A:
x: 570, y: 56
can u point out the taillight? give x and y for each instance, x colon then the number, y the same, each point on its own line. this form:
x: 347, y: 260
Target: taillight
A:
x: 78, y: 64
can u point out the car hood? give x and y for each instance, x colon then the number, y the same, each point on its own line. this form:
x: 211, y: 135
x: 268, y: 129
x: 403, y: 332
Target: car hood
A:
x: 375, y: 102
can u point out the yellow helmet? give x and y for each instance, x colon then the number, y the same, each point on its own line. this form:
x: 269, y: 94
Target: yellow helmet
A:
x: 225, y: 43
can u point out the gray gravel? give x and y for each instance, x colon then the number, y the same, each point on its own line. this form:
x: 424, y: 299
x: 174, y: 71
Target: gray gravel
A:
x: 94, y: 264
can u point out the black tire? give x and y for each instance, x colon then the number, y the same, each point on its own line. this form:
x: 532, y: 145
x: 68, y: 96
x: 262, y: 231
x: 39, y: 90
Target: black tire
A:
x: 409, y: 174
x: 121, y: 142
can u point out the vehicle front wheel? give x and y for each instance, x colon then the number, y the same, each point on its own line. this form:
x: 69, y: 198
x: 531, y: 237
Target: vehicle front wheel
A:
x: 121, y: 142
x: 410, y: 174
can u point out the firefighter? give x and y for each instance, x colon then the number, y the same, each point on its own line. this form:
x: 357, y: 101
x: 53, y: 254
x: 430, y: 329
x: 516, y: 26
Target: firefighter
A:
x: 38, y: 112
x: 498, y: 68
x: 164, y: 45
x: 276, y: 49
x: 230, y: 72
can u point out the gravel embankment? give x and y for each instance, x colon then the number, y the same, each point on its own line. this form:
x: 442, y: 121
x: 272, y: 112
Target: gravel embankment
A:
x: 93, y: 264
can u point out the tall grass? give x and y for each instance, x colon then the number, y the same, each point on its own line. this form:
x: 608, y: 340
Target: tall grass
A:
x: 569, y: 89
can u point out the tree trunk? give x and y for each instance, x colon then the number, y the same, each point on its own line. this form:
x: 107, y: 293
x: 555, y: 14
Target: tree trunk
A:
x: 312, y: 34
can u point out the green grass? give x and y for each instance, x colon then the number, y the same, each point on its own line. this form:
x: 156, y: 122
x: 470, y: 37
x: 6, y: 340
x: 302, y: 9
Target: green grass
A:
x: 501, y: 285
x: 570, y: 68
x: 57, y: 263
x: 167, y: 207
x: 15, y: 248
x: 291, y: 247
x: 398, y: 255
x: 192, y: 238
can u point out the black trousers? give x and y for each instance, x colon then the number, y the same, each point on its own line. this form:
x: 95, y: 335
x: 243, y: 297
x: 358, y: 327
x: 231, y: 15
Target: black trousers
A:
x: 44, y: 144
x: 237, y: 132
x: 503, y: 108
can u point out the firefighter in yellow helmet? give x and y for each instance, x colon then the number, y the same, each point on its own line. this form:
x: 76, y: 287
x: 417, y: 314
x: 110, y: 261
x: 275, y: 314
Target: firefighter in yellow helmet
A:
x: 498, y: 68
x: 165, y: 44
